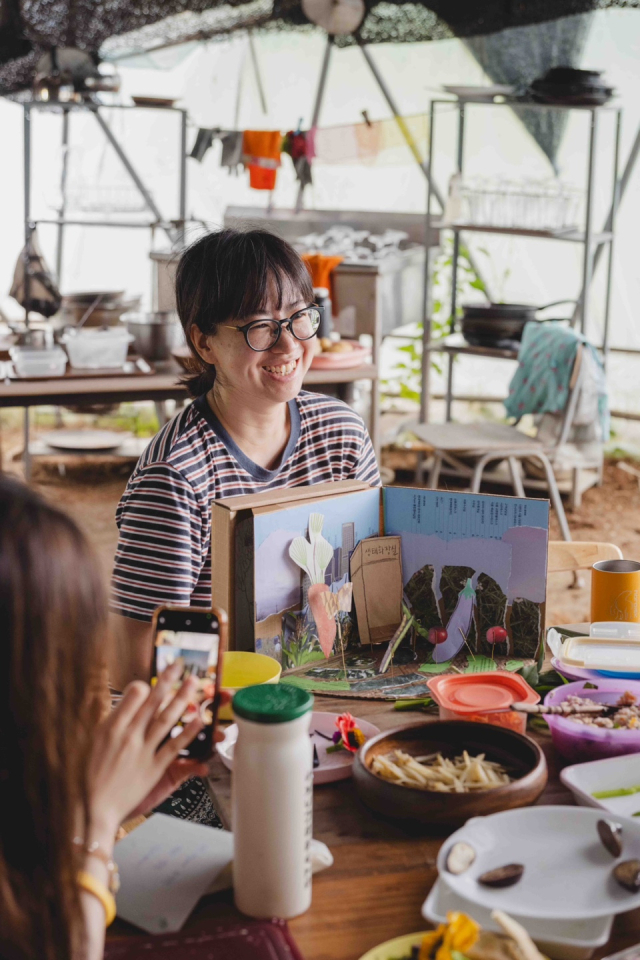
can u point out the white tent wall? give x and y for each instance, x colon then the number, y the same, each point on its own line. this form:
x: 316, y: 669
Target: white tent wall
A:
x: 206, y: 81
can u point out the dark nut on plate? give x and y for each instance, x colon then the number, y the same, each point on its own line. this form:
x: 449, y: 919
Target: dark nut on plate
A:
x: 502, y: 876
x: 460, y: 857
x: 627, y: 874
x: 610, y: 833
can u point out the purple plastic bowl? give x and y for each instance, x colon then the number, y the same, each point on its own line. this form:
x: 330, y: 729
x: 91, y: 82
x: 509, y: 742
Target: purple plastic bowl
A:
x: 580, y: 743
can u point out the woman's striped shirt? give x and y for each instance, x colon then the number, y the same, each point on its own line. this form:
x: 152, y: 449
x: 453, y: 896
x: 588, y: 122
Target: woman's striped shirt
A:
x: 164, y: 516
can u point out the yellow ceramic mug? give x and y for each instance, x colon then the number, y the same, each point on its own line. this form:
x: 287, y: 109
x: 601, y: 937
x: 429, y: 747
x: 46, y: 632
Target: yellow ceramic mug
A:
x: 615, y: 591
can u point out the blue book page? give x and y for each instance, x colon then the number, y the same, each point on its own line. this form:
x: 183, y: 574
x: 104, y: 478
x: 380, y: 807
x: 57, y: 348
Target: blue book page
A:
x: 480, y: 555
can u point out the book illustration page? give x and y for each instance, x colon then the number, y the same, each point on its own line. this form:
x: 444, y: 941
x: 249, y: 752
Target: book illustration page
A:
x: 301, y: 552
x: 474, y: 569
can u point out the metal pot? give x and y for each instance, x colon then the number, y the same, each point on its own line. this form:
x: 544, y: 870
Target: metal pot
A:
x: 493, y: 322
x: 155, y: 335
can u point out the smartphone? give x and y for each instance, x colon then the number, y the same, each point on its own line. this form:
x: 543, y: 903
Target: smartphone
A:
x: 197, y: 638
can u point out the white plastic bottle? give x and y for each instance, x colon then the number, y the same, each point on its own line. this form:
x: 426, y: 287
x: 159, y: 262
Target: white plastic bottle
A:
x: 272, y: 801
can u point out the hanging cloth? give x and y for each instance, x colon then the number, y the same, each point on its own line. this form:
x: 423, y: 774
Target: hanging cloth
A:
x: 44, y: 296
x: 541, y: 383
x: 261, y: 153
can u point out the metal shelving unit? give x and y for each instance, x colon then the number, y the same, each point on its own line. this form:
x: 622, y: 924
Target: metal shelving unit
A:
x: 175, y: 229
x: 590, y: 239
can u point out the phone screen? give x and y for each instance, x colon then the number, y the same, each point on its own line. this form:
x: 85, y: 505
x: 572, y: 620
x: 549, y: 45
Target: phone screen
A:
x: 193, y: 639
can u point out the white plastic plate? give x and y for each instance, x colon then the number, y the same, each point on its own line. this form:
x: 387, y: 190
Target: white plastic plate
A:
x: 333, y: 766
x: 558, y: 939
x: 567, y: 871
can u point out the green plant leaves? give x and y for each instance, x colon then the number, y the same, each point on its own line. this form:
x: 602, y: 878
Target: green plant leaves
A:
x: 480, y: 665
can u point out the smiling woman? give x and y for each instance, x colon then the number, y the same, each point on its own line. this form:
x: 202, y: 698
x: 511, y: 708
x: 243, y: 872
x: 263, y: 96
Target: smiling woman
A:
x: 245, y: 302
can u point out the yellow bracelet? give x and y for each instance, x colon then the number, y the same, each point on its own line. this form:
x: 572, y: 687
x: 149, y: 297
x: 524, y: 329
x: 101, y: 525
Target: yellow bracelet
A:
x: 89, y: 883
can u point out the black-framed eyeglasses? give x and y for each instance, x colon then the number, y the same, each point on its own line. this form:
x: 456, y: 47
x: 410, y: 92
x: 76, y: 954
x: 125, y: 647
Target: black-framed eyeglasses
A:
x: 262, y: 335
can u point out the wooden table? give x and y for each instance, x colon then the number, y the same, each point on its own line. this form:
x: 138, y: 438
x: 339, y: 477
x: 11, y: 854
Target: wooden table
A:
x: 163, y: 384
x: 382, y: 871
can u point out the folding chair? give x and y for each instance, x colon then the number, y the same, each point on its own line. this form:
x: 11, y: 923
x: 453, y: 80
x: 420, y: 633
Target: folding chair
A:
x: 491, y: 442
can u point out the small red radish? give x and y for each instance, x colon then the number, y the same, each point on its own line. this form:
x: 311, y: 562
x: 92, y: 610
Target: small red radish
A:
x: 437, y: 635
x: 497, y: 635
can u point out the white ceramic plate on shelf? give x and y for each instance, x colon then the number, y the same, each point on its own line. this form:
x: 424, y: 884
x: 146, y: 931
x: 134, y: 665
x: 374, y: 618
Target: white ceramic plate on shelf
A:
x: 480, y: 93
x: 612, y: 773
x: 567, y: 871
x: 558, y: 939
x: 333, y: 766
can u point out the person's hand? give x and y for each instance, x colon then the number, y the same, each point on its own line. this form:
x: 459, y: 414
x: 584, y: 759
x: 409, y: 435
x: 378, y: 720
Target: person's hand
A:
x: 177, y: 773
x: 128, y: 761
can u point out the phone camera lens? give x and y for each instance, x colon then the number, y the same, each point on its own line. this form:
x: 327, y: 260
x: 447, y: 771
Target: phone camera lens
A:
x: 161, y: 619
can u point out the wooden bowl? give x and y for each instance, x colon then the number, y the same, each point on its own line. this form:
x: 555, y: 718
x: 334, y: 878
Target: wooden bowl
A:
x: 522, y: 757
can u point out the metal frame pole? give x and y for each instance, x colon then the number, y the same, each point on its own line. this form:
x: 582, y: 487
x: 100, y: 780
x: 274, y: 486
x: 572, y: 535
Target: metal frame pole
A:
x: 28, y: 226
x: 317, y: 106
x: 406, y: 133
x: 256, y: 72
x: 454, y: 267
x: 63, y: 193
x: 587, y: 265
x: 148, y: 199
x: 612, y: 225
x: 183, y: 176
x: 402, y: 126
x: 425, y: 378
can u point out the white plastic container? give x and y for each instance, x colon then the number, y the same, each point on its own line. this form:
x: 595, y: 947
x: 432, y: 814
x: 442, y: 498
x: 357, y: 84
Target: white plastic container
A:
x: 272, y: 799
x: 92, y: 348
x: 32, y: 362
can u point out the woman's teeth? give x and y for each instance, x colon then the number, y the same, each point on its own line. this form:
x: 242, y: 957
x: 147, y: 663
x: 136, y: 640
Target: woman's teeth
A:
x: 283, y: 369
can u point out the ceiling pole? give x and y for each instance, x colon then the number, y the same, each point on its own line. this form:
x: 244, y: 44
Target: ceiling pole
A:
x: 406, y: 133
x: 402, y: 125
x: 317, y: 107
x: 256, y: 72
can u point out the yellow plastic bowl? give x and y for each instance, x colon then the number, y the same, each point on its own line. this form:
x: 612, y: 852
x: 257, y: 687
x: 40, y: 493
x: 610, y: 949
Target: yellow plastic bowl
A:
x: 243, y: 669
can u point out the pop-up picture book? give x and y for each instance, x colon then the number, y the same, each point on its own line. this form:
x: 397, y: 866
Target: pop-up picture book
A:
x: 439, y: 580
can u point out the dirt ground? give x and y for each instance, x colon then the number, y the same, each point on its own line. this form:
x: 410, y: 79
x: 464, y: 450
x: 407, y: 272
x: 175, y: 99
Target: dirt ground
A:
x: 609, y: 513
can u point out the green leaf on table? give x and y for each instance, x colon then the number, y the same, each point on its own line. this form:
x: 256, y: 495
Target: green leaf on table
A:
x: 530, y: 674
x: 514, y: 665
x: 480, y: 665
x: 318, y: 686
x: 434, y: 667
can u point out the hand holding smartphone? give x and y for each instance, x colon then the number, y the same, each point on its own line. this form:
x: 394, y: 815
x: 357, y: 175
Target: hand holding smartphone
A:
x: 196, y: 638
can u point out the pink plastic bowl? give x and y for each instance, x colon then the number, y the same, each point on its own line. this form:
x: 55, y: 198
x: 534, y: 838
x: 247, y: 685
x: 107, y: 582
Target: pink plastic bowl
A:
x: 580, y: 743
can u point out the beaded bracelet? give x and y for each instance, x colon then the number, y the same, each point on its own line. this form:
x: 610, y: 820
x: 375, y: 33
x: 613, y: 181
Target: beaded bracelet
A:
x: 93, y: 849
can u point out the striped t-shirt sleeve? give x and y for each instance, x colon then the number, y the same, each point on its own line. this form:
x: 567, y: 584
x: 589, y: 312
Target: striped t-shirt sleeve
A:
x: 160, y: 550
x: 367, y: 467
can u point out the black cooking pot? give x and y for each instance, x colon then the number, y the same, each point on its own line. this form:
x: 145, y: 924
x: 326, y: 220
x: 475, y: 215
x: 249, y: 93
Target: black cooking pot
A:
x: 488, y: 323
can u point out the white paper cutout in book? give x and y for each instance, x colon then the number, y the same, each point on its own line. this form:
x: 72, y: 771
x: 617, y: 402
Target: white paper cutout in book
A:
x: 313, y: 556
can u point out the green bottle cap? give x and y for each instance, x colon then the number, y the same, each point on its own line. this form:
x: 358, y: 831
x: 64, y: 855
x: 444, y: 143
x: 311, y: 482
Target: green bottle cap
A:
x: 272, y: 703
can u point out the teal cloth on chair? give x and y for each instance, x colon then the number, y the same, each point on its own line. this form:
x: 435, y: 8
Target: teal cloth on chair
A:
x: 545, y: 364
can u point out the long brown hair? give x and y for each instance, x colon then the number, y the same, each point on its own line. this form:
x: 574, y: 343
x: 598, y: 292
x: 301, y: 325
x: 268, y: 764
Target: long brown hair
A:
x: 52, y: 627
x: 228, y: 275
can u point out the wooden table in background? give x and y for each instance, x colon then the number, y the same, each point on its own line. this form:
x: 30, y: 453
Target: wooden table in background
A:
x: 163, y: 384
x: 382, y: 871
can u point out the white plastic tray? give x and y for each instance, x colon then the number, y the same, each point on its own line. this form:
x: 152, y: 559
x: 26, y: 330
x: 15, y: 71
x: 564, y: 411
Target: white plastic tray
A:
x: 558, y: 939
x: 583, y: 779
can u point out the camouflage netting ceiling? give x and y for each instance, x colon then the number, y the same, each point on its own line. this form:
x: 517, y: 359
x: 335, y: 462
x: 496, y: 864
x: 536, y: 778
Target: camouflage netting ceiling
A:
x: 29, y: 27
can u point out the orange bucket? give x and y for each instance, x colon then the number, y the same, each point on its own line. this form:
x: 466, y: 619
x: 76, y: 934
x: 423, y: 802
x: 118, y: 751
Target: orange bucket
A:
x: 483, y: 697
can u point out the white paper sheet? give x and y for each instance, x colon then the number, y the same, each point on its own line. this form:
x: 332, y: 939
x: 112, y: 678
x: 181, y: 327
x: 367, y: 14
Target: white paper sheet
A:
x: 166, y: 865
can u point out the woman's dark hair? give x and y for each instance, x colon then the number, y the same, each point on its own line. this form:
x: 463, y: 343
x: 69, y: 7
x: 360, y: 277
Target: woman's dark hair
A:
x: 229, y: 275
x: 52, y: 635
